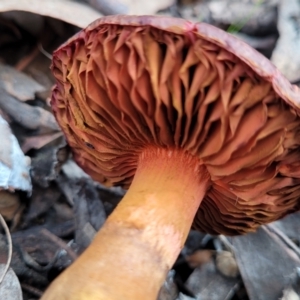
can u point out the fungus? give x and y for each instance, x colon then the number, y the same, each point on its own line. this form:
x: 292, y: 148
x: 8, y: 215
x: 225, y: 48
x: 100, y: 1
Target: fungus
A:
x: 202, y: 129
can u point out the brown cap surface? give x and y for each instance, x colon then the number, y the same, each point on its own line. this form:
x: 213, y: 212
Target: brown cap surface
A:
x: 126, y: 83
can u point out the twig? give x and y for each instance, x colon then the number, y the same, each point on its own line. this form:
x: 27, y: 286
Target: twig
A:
x: 31, y: 263
x: 44, y: 52
x: 233, y: 290
x: 8, y: 236
x: 59, y: 242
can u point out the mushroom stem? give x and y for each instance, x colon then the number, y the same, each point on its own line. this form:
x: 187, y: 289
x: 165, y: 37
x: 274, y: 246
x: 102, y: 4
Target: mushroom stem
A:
x: 132, y: 253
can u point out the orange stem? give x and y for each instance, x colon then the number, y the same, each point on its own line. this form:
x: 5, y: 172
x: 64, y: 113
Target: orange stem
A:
x: 132, y: 253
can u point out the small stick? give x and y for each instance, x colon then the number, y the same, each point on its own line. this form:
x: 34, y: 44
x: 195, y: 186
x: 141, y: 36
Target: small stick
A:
x: 59, y: 242
x: 233, y: 290
x: 44, y: 52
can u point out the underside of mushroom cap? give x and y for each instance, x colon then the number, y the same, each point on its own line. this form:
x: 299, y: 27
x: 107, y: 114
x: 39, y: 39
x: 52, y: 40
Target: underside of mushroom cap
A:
x: 126, y: 83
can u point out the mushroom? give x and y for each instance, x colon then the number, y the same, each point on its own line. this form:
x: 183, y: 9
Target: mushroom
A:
x: 200, y: 127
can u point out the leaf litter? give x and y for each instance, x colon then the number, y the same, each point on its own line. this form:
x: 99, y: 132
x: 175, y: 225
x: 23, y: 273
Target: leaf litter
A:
x: 54, y: 209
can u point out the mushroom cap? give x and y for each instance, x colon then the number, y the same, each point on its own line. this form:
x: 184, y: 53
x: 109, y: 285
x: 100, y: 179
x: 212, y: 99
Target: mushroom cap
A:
x: 128, y: 82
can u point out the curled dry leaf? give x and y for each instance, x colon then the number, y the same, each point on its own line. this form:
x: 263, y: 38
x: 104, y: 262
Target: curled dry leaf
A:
x: 72, y: 12
x: 47, y: 161
x: 14, y: 166
x: 89, y: 212
x: 18, y: 84
x: 10, y: 288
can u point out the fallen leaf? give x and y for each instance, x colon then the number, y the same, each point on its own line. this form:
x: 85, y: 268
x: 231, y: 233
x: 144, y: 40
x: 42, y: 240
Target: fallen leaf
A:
x: 265, y: 264
x: 89, y: 212
x: 47, y: 161
x: 72, y: 12
x: 290, y: 225
x: 37, y: 142
x: 18, y: 84
x: 207, y: 283
x: 31, y: 117
x: 41, y: 201
x: 286, y: 55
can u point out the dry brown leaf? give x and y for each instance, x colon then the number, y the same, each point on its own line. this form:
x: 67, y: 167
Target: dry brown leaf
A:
x: 71, y: 12
x: 14, y: 166
x: 18, y: 84
x: 37, y: 142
